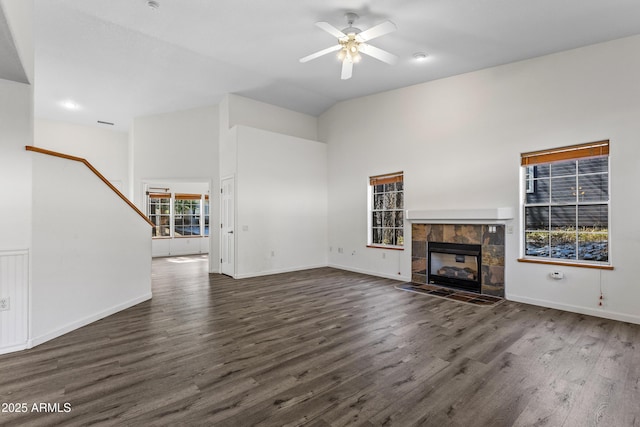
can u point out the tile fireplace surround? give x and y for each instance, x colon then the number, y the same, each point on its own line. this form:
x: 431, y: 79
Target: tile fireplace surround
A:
x: 492, y: 270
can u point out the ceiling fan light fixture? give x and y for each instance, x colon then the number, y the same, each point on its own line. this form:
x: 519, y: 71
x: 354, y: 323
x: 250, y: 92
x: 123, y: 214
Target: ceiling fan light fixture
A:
x: 70, y: 105
x: 352, y: 42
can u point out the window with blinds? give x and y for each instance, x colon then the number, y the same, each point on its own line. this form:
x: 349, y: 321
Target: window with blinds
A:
x: 179, y: 214
x: 386, y: 210
x: 566, y: 203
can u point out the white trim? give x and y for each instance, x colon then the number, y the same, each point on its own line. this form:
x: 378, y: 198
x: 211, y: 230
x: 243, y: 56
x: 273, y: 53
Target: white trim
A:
x: 14, y: 252
x: 524, y: 205
x: 235, y: 221
x: 371, y: 273
x: 622, y: 317
x: 370, y: 210
x: 14, y: 348
x: 87, y: 320
x: 414, y: 215
x: 284, y: 270
x: 19, y: 289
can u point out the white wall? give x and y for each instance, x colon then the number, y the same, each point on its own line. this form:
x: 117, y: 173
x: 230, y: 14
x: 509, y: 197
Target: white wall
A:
x: 458, y: 141
x: 91, y: 253
x: 256, y: 114
x: 281, y: 203
x: 16, y: 131
x: 180, y: 246
x: 107, y: 150
x: 281, y: 223
x: 176, y: 147
x: 15, y: 204
x: 15, y: 165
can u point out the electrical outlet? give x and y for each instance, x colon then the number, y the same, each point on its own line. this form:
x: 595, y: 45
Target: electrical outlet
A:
x: 4, y: 304
x: 557, y: 275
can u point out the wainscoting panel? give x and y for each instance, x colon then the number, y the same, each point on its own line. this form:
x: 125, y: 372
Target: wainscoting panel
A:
x: 14, y: 286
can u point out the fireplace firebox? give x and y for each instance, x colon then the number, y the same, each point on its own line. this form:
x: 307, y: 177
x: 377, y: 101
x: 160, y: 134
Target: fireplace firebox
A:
x: 455, y: 264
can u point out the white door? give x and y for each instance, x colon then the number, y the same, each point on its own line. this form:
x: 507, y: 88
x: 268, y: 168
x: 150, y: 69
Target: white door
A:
x: 227, y: 225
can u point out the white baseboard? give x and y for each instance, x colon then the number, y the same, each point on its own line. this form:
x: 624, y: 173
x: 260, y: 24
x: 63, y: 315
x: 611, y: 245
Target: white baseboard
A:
x: 630, y: 318
x: 14, y: 348
x: 270, y: 272
x: 85, y: 321
x: 371, y: 273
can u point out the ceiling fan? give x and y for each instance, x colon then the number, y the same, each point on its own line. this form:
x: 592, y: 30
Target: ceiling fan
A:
x: 352, y: 42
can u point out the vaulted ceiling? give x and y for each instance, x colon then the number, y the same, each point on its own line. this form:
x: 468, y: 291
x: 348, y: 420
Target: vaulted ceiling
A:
x: 119, y: 59
x: 10, y: 64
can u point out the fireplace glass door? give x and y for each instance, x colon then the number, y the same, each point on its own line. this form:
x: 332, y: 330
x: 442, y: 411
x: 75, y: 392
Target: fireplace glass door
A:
x: 454, y: 264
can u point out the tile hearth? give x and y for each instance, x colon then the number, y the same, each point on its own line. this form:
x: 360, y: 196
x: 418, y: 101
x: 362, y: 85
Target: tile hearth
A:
x: 452, y: 294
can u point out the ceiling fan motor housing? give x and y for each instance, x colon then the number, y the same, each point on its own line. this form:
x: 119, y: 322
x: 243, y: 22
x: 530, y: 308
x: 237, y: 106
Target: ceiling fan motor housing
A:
x: 351, y: 18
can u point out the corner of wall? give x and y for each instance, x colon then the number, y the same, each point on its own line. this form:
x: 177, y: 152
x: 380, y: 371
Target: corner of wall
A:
x: 19, y: 17
x: 260, y: 115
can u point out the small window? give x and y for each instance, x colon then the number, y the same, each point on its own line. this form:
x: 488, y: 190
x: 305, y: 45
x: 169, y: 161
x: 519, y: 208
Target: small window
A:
x: 159, y: 212
x: 186, y: 217
x: 566, y: 203
x: 206, y: 215
x: 386, y: 210
x: 529, y: 179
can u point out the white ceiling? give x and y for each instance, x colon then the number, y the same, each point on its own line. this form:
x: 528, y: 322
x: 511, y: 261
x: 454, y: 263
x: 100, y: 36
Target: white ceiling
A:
x: 10, y: 65
x: 119, y: 59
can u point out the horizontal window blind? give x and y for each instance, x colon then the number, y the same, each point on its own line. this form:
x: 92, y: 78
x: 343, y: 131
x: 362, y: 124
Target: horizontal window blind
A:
x: 159, y: 195
x: 386, y: 179
x: 182, y: 196
x: 592, y: 149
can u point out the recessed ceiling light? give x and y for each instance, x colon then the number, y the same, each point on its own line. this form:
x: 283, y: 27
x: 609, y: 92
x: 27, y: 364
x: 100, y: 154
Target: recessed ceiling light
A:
x: 153, y: 4
x: 420, y: 56
x: 70, y: 105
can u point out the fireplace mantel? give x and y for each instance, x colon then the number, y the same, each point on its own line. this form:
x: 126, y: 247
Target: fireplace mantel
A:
x: 490, y: 214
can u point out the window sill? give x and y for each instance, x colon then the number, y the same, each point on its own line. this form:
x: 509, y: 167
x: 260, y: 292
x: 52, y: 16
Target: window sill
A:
x: 566, y: 264
x: 393, y: 248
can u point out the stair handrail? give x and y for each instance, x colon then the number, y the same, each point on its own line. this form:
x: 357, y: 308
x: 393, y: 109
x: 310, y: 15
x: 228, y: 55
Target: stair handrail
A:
x: 95, y: 171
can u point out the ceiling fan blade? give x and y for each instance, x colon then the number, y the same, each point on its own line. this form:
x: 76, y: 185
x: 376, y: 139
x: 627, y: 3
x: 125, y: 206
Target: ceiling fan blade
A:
x: 320, y: 53
x: 347, y: 69
x: 331, y: 29
x: 376, y: 31
x: 379, y: 54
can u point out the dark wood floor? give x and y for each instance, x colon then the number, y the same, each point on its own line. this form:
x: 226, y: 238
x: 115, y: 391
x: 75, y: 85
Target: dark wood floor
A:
x: 326, y: 347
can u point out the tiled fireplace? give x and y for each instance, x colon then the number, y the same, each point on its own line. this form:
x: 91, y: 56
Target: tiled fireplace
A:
x: 490, y: 238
